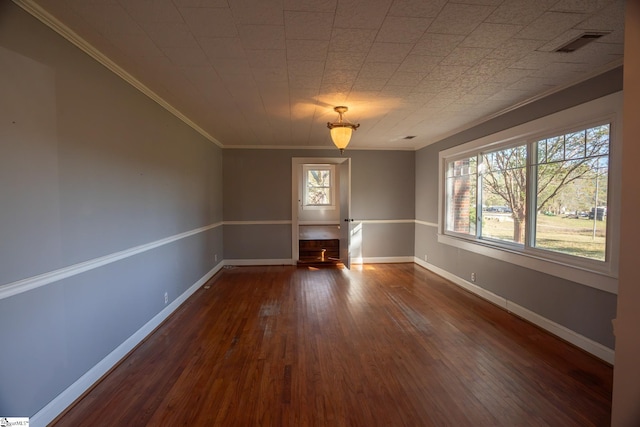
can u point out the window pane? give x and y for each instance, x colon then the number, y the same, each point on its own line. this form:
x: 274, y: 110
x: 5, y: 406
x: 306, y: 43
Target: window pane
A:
x: 542, y: 151
x: 555, y: 149
x: 575, y: 145
x: 503, y: 194
x: 318, y: 196
x: 318, y: 187
x: 598, y: 140
x: 318, y: 178
x: 461, y: 196
x: 567, y: 194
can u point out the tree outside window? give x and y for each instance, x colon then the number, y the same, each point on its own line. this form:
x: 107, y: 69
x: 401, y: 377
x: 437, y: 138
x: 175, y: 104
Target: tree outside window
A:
x: 318, y: 185
x: 572, y: 180
x: 568, y: 179
x: 504, y: 187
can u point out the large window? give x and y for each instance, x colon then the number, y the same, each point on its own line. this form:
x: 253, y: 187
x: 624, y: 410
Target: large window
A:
x: 567, y: 178
x: 539, y: 198
x: 572, y: 175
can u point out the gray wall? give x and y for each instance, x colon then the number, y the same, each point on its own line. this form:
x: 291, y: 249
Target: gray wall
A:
x: 257, y: 187
x: 583, y: 309
x: 89, y: 167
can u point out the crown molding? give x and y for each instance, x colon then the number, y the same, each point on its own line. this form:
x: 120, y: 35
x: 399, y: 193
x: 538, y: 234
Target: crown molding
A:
x: 56, y: 25
x: 52, y: 22
x: 601, y: 70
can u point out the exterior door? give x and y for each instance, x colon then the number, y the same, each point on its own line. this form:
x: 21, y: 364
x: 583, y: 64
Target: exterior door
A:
x: 345, y: 212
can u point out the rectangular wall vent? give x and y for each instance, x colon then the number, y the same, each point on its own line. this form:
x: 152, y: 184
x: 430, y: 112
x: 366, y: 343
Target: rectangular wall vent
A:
x: 581, y: 41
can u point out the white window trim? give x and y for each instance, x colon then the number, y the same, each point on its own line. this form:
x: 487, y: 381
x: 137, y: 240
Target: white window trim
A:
x: 598, y: 275
x: 332, y: 169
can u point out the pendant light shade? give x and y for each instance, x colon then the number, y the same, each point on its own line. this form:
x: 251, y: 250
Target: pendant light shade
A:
x: 341, y: 136
x: 341, y: 131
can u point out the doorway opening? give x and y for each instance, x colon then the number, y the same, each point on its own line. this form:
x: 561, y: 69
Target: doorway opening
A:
x: 321, y: 199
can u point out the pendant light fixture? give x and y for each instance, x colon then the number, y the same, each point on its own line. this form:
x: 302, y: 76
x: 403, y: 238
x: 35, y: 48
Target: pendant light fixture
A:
x: 341, y: 131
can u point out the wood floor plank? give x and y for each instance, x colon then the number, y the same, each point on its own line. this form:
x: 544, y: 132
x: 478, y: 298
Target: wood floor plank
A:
x: 378, y: 345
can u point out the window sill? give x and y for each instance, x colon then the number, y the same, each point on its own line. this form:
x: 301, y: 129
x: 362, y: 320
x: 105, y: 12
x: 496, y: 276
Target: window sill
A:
x: 604, y: 281
x: 319, y: 207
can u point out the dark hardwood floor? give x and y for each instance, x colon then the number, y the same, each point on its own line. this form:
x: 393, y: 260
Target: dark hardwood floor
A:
x: 380, y: 345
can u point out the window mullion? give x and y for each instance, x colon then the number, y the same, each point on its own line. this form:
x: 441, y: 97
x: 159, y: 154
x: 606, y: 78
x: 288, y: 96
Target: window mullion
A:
x: 479, y: 212
x: 530, y: 194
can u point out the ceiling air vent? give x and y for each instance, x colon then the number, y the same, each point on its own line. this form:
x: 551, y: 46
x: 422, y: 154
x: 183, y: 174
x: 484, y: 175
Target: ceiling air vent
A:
x: 581, y: 41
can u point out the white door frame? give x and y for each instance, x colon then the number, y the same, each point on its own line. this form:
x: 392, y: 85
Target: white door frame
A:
x: 296, y: 163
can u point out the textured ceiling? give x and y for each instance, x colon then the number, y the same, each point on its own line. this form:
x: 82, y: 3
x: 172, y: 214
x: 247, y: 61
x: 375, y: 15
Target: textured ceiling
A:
x: 267, y: 73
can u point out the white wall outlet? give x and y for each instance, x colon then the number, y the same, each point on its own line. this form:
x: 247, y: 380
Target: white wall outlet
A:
x: 425, y: 257
x: 166, y: 298
x: 215, y: 257
x: 473, y: 277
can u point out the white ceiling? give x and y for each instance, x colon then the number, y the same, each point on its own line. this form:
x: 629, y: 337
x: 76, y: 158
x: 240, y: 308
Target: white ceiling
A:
x: 267, y: 73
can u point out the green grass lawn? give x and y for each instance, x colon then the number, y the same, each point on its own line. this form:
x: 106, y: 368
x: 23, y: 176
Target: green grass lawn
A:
x: 573, y: 236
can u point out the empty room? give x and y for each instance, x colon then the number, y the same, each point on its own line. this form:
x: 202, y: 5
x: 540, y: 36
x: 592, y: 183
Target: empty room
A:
x: 319, y: 213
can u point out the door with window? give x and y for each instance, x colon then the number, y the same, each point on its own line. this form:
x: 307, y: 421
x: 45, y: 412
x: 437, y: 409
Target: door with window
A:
x: 321, y: 202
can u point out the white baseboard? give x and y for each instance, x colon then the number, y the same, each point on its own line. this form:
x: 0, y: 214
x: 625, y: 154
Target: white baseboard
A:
x: 84, y: 383
x: 253, y: 262
x: 67, y: 397
x: 289, y: 261
x: 381, y: 260
x: 598, y: 350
